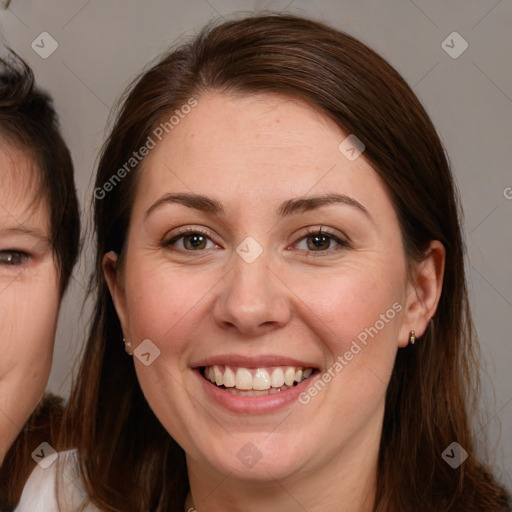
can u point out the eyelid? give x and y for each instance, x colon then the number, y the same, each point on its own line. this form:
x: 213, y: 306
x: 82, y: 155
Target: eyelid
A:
x: 321, y: 230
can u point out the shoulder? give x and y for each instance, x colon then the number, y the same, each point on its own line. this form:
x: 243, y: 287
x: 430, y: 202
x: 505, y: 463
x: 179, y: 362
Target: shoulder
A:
x: 55, y: 481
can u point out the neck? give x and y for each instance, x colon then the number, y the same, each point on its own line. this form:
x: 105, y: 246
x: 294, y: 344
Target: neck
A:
x: 346, y: 481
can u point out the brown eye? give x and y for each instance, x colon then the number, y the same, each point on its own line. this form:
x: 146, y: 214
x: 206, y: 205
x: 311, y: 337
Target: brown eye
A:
x: 319, y: 242
x: 191, y: 241
x: 13, y: 258
x: 194, y: 241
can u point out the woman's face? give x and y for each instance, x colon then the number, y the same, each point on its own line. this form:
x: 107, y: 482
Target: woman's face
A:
x: 258, y: 252
x: 29, y: 295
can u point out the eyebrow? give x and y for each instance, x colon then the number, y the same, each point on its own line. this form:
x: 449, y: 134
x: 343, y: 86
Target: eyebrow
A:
x: 35, y: 233
x: 290, y: 207
x: 304, y: 204
x: 199, y: 202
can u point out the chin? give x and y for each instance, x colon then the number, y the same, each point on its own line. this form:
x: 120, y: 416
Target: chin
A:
x: 252, y: 458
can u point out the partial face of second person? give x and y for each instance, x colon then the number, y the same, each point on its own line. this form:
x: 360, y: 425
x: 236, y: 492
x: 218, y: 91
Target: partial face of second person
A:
x: 29, y: 293
x: 313, y: 275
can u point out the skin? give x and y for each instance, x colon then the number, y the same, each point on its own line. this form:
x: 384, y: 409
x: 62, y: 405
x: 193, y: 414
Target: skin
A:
x: 29, y: 295
x: 251, y: 154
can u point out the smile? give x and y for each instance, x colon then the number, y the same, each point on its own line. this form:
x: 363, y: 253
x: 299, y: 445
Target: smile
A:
x: 255, y: 381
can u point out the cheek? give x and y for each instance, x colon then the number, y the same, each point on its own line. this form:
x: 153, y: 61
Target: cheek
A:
x: 347, y: 304
x: 28, y: 314
x: 165, y: 304
x: 28, y: 320
x: 355, y: 316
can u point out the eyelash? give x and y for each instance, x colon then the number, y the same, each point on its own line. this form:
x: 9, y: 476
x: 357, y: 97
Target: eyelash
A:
x: 342, y: 244
x: 20, y: 254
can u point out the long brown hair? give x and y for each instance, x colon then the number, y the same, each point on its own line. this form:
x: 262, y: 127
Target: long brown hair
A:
x: 129, y: 462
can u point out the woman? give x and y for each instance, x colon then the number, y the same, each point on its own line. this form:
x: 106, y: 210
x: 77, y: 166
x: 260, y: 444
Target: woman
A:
x: 39, y: 234
x: 278, y: 245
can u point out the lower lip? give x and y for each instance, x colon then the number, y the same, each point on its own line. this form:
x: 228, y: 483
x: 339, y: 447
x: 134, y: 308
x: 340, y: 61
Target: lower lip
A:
x: 262, y: 404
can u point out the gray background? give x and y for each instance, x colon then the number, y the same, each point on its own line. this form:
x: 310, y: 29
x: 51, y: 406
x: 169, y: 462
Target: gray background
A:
x: 101, y: 45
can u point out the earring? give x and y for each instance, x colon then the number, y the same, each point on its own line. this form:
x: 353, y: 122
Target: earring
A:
x: 127, y: 346
x: 412, y: 337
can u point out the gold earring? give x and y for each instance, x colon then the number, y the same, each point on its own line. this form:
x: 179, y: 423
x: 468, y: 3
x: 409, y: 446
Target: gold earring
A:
x: 412, y: 337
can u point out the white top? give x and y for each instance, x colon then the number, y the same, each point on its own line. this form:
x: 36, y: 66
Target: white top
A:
x: 40, y: 491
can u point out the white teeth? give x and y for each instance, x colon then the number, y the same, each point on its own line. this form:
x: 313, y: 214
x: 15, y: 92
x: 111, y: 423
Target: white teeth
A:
x: 271, y: 381
x: 289, y: 376
x: 229, y: 378
x: 243, y: 379
x: 218, y: 375
x: 261, y: 380
x: 277, y: 379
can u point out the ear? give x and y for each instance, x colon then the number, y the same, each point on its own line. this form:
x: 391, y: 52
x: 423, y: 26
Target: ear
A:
x: 115, y: 283
x: 423, y: 292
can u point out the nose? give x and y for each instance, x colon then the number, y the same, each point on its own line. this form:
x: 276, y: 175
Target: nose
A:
x: 253, y: 300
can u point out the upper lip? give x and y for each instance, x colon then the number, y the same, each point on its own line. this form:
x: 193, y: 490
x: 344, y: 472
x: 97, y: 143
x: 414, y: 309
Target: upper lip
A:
x: 262, y: 361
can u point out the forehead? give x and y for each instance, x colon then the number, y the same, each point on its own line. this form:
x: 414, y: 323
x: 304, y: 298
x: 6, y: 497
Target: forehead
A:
x: 241, y: 129
x: 20, y: 189
x: 256, y: 147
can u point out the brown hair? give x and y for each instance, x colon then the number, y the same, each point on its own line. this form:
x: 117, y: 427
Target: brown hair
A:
x: 427, y: 399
